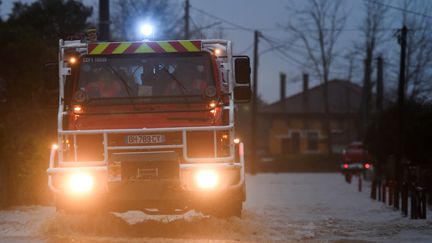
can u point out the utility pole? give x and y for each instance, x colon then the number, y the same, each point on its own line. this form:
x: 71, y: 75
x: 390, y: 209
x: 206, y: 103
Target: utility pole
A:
x: 376, y: 181
x: 401, y: 89
x: 282, y: 86
x: 186, y: 20
x: 402, y: 38
x: 104, y: 20
x: 254, y: 156
x: 366, y: 94
x: 380, y: 85
x: 305, y: 100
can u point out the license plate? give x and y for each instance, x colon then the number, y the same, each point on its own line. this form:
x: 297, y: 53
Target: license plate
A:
x: 145, y: 139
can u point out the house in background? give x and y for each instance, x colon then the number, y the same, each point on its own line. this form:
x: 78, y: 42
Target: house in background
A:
x: 297, y: 122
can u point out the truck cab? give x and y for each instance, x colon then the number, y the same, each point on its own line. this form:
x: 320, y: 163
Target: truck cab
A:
x: 149, y: 126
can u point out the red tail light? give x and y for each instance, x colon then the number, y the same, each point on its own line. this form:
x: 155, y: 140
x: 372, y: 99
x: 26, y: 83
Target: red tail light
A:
x: 345, y: 166
x: 367, y: 166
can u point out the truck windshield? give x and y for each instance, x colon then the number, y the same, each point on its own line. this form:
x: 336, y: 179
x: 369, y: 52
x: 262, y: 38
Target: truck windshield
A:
x: 140, y: 76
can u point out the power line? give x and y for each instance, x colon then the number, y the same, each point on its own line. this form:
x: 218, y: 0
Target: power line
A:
x: 401, y: 9
x: 197, y: 30
x: 246, y: 49
x: 283, y: 55
x: 337, y: 55
x: 277, y: 48
x: 239, y: 27
x: 275, y: 43
x: 265, y: 29
x: 221, y: 19
x: 276, y: 29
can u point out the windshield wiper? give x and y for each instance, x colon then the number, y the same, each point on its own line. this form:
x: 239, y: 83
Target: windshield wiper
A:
x: 183, y: 89
x: 125, y: 84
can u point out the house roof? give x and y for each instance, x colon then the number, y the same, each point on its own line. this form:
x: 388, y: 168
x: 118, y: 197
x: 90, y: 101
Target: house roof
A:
x: 343, y: 96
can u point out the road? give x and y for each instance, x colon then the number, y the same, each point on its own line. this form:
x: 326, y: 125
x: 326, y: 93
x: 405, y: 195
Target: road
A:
x: 300, y: 207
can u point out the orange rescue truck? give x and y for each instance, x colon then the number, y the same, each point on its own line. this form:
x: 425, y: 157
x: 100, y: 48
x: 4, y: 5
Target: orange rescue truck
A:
x: 149, y: 126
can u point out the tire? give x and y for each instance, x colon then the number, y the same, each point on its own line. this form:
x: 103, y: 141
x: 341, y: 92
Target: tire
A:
x: 224, y: 206
x: 234, y: 209
x: 230, y: 205
x: 63, y: 205
x: 231, y: 208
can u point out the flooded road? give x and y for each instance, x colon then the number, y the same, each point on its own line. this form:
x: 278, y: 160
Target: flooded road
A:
x: 279, y: 208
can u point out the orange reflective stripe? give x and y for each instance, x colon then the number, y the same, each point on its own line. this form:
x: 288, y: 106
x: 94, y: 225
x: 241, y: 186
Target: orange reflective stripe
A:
x: 143, y: 47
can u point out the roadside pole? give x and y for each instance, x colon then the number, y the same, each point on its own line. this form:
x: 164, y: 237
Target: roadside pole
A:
x: 254, y: 155
x: 186, y: 20
x: 104, y: 20
x: 402, y: 38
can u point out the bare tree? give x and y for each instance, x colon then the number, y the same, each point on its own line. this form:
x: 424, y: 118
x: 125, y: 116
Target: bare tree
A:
x: 372, y: 29
x: 419, y: 48
x: 203, y: 28
x: 317, y: 28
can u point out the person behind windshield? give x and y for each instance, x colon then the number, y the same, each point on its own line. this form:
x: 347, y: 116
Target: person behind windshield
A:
x: 198, y: 81
x: 166, y: 82
x: 192, y: 76
x: 105, y: 86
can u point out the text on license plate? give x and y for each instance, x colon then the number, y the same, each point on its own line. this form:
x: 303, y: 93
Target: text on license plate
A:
x: 145, y: 139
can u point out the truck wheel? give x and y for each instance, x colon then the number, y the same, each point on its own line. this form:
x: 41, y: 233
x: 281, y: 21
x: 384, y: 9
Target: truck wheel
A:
x: 226, y: 209
x: 63, y: 206
x: 234, y: 208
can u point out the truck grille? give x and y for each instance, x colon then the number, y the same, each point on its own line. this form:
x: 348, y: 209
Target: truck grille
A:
x: 137, y: 166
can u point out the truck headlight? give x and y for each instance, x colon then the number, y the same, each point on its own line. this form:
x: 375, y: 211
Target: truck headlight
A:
x: 80, y: 183
x: 206, y: 179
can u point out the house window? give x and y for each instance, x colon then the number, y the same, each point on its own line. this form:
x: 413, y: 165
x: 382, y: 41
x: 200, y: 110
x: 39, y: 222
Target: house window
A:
x: 295, y: 142
x: 312, y: 139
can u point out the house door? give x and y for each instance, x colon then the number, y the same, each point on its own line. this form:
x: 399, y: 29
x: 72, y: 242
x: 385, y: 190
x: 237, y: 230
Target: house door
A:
x: 295, y: 142
x: 285, y: 145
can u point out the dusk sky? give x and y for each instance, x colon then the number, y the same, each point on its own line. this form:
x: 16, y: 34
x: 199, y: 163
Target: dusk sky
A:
x: 268, y: 17
x: 126, y: 132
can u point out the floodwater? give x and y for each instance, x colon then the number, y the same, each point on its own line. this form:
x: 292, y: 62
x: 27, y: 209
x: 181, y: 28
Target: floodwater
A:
x: 317, y: 207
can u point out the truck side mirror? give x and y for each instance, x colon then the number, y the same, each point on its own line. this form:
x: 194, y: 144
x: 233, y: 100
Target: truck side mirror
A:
x: 242, y: 70
x: 50, y: 76
x: 242, y: 91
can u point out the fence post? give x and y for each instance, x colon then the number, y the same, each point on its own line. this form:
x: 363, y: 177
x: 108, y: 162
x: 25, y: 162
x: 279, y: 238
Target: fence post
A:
x: 404, y: 195
x: 359, y: 182
x: 422, y: 203
x: 390, y: 193
x: 374, y: 189
x: 413, y: 202
x: 379, y: 189
x: 396, y: 194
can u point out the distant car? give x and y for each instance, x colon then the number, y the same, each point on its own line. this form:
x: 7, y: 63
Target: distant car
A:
x: 355, y: 153
x: 355, y: 159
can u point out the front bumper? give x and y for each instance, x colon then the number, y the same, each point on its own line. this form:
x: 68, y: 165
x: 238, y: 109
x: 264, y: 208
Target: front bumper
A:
x: 231, y: 179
